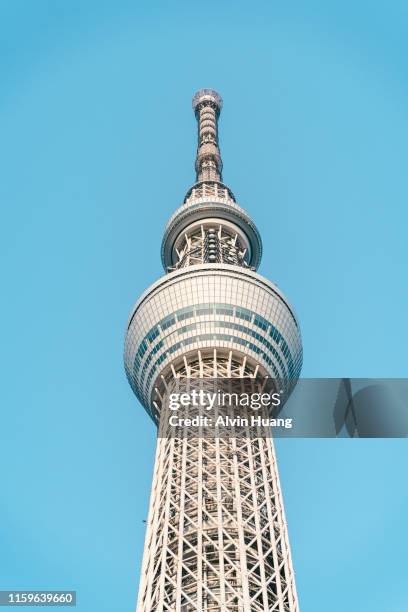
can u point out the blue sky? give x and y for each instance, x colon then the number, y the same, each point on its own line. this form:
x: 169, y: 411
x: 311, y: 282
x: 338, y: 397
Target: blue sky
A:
x: 96, y: 151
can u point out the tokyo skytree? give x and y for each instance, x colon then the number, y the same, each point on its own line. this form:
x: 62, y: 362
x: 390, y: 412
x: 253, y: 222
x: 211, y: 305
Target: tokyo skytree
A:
x: 216, y: 537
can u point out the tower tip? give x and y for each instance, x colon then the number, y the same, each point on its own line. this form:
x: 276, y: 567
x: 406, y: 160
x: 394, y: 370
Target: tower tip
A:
x: 207, y: 95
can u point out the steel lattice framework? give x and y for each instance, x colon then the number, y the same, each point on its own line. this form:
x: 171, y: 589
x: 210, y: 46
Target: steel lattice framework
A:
x: 216, y: 533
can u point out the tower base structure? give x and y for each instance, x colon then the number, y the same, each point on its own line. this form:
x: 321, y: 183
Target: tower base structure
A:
x: 216, y: 535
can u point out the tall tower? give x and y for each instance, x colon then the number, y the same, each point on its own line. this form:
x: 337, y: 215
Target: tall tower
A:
x: 216, y: 533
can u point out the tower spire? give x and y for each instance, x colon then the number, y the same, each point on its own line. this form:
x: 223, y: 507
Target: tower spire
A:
x: 207, y: 105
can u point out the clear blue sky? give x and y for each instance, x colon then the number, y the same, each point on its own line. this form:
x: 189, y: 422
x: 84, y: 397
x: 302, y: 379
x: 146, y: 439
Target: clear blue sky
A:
x: 96, y: 151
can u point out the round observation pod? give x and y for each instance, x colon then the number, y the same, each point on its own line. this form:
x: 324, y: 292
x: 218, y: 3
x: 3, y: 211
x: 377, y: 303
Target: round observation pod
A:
x: 205, y: 307
x: 211, y: 209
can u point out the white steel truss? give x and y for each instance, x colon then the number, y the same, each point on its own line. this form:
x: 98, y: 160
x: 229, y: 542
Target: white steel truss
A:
x: 214, y: 244
x: 216, y: 534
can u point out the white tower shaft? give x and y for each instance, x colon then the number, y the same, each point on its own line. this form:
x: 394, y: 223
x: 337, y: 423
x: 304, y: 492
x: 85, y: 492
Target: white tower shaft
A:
x: 216, y: 536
